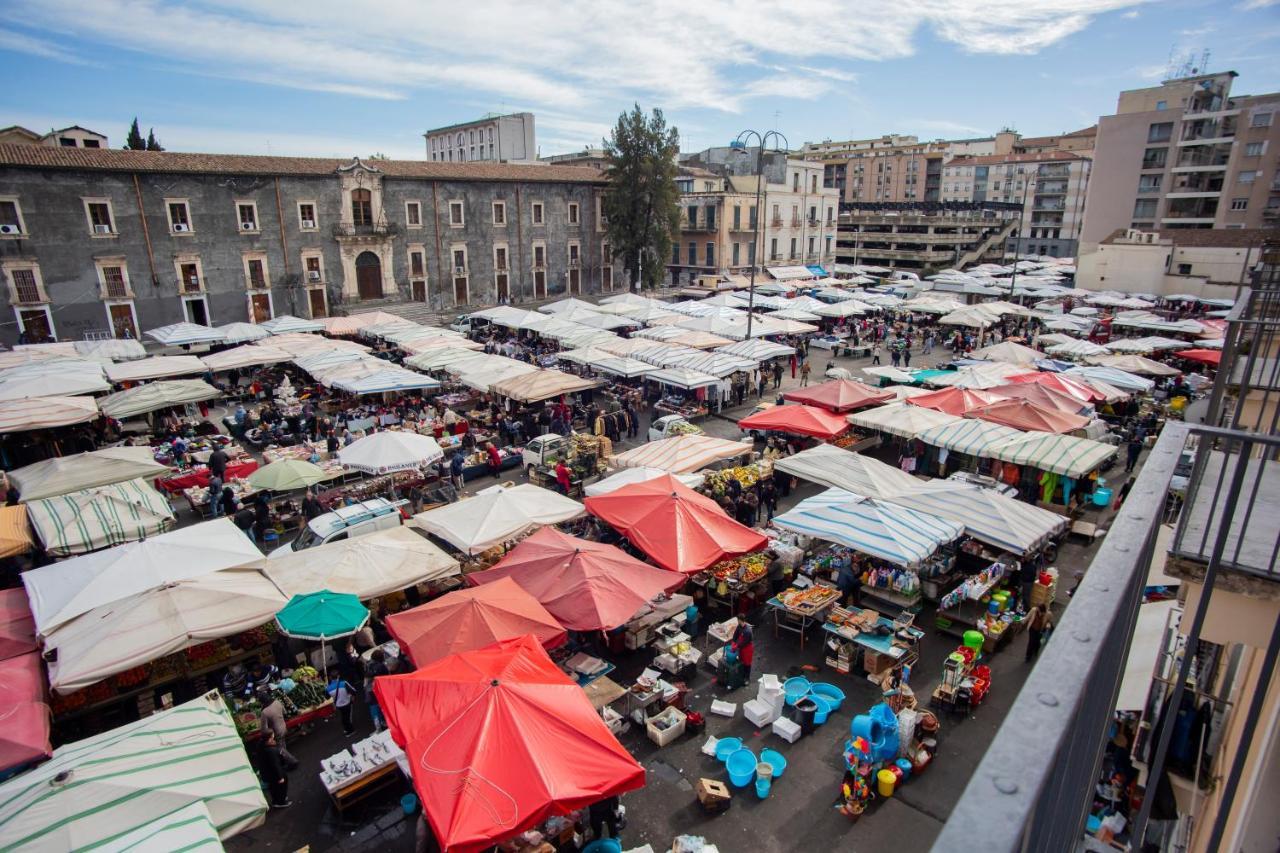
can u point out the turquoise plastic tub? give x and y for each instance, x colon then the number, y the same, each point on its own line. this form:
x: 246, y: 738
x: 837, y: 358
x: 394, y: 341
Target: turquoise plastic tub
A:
x: 762, y: 788
x: 834, y: 695
x: 774, y: 759
x: 825, y: 707
x: 603, y: 845
x: 742, y: 768
x: 796, y: 688
x: 409, y: 803
x: 727, y: 746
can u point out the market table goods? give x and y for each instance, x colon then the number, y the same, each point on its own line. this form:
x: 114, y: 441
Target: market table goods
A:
x: 499, y: 739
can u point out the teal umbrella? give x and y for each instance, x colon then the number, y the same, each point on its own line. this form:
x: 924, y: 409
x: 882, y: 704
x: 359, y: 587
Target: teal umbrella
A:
x: 322, y: 615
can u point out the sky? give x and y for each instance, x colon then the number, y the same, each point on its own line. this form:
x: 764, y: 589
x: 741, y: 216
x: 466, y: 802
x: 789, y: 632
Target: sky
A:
x: 351, y: 77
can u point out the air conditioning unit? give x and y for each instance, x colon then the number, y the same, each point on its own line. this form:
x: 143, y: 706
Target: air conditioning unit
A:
x: 313, y: 275
x: 10, y: 229
x: 248, y: 226
x: 102, y: 229
x: 181, y: 227
x: 459, y: 270
x: 308, y: 223
x: 195, y: 279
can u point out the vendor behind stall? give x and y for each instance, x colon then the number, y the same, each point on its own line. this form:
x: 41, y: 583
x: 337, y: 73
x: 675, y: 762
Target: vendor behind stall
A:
x: 743, y: 645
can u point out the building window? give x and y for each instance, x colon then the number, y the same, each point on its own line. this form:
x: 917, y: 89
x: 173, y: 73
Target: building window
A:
x: 499, y: 213
x: 1162, y: 105
x: 675, y: 254
x: 11, y: 224
x: 101, y: 221
x: 247, y: 213
x: 457, y: 214
x: 1254, y: 149
x: 813, y: 183
x: 413, y: 214
x: 1246, y: 177
x: 777, y: 215
x: 190, y: 279
x: 711, y: 254
x: 828, y: 253
x: 795, y: 182
x: 313, y: 268
x: 692, y: 213
x: 737, y: 217
x: 574, y: 218
x: 812, y: 245
x: 711, y: 218
x: 179, y: 216
x: 362, y: 207
x: 751, y: 217
x: 26, y: 286
x: 500, y: 258
x: 793, y: 247
x: 830, y: 215
x: 693, y: 254
x: 114, y: 280
x: 1261, y: 120
x: 751, y: 253
x: 255, y: 273
x: 538, y: 218
x: 307, y: 216
x: 1161, y: 132
x: 773, y: 249
x: 1144, y: 208
x: 1150, y: 183
x: 1154, y: 158
x: 1184, y: 269
x: 417, y: 263
x: 1239, y: 204
x: 737, y: 254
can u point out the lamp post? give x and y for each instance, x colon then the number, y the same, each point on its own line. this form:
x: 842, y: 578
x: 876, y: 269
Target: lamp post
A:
x: 761, y: 140
x: 1017, y: 242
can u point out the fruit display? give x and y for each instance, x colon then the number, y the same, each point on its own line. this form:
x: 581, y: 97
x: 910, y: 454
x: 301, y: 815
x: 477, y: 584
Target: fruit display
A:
x: 253, y: 638
x: 746, y: 569
x: 717, y: 482
x: 208, y: 654
x: 304, y: 672
x: 168, y: 667
x: 848, y: 438
x: 809, y: 600
x: 684, y: 428
x: 131, y: 677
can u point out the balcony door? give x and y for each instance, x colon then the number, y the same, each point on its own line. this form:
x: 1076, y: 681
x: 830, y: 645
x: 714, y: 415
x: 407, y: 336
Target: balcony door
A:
x: 369, y: 275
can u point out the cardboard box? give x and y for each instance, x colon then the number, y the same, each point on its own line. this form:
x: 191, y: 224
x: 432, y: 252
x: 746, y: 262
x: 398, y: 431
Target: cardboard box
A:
x: 713, y: 795
x: 876, y: 663
x: 662, y: 737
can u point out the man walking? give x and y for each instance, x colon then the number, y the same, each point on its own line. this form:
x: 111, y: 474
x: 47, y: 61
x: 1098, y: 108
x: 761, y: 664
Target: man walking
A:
x: 1038, y: 621
x: 804, y: 374
x: 273, y: 721
x: 1133, y: 451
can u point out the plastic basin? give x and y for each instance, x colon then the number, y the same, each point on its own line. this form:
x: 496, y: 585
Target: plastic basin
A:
x: 727, y: 746
x: 774, y: 759
x: 834, y: 695
x: 824, y: 708
x: 796, y: 688
x: 742, y: 768
x: 603, y: 845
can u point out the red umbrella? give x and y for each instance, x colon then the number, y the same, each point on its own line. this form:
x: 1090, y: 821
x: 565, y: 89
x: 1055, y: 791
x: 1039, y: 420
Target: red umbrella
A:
x: 679, y: 528
x: 586, y: 586
x: 798, y: 420
x: 467, y: 619
x: 17, y: 625
x: 839, y: 395
x: 1025, y: 415
x: 24, y: 735
x: 1041, y: 395
x: 1204, y: 356
x: 498, y: 740
x: 1065, y: 384
x: 954, y: 401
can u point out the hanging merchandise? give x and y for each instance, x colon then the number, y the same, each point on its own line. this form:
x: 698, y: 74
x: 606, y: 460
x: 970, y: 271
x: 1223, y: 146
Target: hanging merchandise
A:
x: 973, y: 588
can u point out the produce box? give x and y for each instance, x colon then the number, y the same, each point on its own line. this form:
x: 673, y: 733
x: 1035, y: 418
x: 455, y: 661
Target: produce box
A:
x: 876, y: 663
x: 674, y: 721
x: 1041, y: 594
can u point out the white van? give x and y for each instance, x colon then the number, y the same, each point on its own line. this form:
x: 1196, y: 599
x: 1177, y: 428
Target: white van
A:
x: 345, y: 522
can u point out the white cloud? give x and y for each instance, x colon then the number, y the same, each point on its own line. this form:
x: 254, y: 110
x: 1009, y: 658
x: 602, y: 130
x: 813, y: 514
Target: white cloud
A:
x: 21, y: 43
x: 579, y: 56
x: 1254, y: 5
x: 1131, y: 15
x: 950, y: 128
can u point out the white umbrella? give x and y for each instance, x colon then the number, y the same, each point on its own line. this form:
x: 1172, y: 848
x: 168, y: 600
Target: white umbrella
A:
x: 239, y: 333
x: 627, y: 476
x: 366, y: 567
x: 495, y: 515
x: 388, y: 451
x: 181, y: 334
x: 286, y: 323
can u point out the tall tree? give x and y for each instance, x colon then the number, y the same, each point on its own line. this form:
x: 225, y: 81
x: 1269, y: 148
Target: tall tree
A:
x: 153, y: 144
x: 641, y: 203
x: 135, y: 142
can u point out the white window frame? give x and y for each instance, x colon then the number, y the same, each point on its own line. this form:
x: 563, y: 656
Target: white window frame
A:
x: 108, y: 304
x: 48, y: 317
x: 182, y: 260
x: 100, y: 266
x: 412, y: 203
x: 8, y: 267
x: 574, y: 212
x: 599, y: 214
x: 271, y: 303
x: 188, y: 298
x: 168, y: 212
x: 22, y: 223
x: 507, y: 269
x: 499, y: 204
x: 1239, y: 204
x: 306, y: 255
x: 266, y: 273
x: 462, y: 213
x: 111, y: 215
x: 409, y: 251
x: 257, y: 222
x: 302, y: 226
x: 537, y: 214
x: 1254, y: 119
x: 533, y: 254
x: 454, y: 275
x: 1253, y: 176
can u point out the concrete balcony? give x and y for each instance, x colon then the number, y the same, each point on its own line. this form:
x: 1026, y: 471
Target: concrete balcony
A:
x: 1194, y: 194
x: 1207, y: 167
x: 1187, y: 220
x: 1208, y: 140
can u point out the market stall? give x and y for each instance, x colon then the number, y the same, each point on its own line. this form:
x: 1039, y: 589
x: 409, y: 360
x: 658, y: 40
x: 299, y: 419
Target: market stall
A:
x: 987, y: 515
x: 495, y: 515
x: 900, y: 420
x: 1026, y: 415
x: 628, y: 476
x: 153, y: 396
x: 797, y: 420
x: 64, y: 474
x: 390, y: 450
x: 15, y: 531
x: 681, y: 454
x: 863, y: 639
x: 46, y: 413
x: 842, y: 469
x: 96, y: 518
x: 839, y: 395
x: 698, y: 392
x: 367, y: 567
x: 25, y: 714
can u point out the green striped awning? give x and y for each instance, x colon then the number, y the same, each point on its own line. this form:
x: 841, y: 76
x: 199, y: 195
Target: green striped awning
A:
x: 1059, y: 454
x: 970, y: 436
x: 91, y: 519
x: 95, y: 793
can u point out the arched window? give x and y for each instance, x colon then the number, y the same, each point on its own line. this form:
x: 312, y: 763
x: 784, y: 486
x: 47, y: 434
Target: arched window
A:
x: 491, y: 134
x: 362, y: 207
x: 459, y: 139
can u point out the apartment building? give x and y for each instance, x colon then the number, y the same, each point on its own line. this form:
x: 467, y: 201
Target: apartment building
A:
x: 494, y: 138
x: 892, y: 168
x: 719, y: 215
x: 95, y: 241
x: 1210, y: 262
x: 74, y: 136
x: 1049, y: 185
x: 1185, y: 154
x: 925, y: 237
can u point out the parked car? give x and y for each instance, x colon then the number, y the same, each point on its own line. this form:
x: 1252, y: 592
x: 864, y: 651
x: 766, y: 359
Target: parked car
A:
x: 348, y: 522
x: 670, y: 425
x: 462, y: 323
x: 544, y: 451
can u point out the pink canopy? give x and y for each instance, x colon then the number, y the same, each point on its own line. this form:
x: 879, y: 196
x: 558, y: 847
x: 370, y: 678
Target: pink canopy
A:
x: 24, y: 737
x: 1025, y: 415
x: 17, y: 625
x: 839, y: 395
x: 955, y: 401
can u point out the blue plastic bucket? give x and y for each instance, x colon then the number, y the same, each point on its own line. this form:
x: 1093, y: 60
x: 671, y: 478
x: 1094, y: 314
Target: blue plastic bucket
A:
x: 409, y: 803
x: 834, y: 695
x: 742, y: 768
x: 603, y: 845
x: 727, y: 746
x: 796, y: 688
x: 824, y: 708
x: 762, y: 788
x: 774, y: 759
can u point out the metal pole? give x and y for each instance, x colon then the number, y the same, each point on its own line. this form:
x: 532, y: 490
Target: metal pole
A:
x: 755, y: 238
x: 1017, y: 241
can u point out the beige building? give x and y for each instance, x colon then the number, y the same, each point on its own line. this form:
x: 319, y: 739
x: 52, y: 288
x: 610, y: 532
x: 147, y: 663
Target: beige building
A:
x: 892, y: 168
x: 68, y: 137
x: 1185, y: 154
x: 495, y: 138
x: 1212, y: 263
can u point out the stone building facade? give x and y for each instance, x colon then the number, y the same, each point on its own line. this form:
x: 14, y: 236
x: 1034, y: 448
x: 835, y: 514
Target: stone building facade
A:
x: 111, y: 243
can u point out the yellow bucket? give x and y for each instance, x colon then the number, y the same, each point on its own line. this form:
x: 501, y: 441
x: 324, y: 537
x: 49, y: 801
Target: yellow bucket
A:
x: 885, y: 782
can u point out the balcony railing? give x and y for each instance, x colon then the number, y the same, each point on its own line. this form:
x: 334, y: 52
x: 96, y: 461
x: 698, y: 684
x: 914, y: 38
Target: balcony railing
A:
x: 115, y: 290
x: 377, y: 229
x: 27, y: 292
x: 192, y: 285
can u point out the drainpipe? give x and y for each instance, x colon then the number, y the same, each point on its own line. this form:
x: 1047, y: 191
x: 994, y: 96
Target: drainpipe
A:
x: 519, y: 239
x: 284, y: 250
x: 435, y: 220
x: 146, y: 232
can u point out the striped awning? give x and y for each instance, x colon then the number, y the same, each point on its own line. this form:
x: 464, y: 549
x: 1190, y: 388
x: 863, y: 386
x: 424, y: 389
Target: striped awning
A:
x: 681, y: 454
x: 843, y: 469
x: 986, y: 514
x: 883, y: 530
x: 1059, y: 454
x: 87, y: 520
x: 15, y: 533
x: 94, y: 791
x: 901, y: 419
x: 969, y: 435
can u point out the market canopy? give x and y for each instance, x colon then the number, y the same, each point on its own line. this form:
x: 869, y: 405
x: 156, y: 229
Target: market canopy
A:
x: 495, y: 515
x: 498, y: 740
x: 249, y: 355
x: 468, y: 619
x: 287, y: 323
x: 900, y: 419
x: 156, y: 395
x: 541, y: 385
x: 147, y: 626
x: 797, y: 420
x: 367, y: 567
x: 681, y: 454
x: 1026, y: 415
x: 758, y: 349
x: 1067, y: 455
x: 17, y: 625
x: 63, y: 474
x: 114, y: 349
x: 586, y: 586
x: 1042, y: 395
x: 683, y: 377
x: 25, y: 736
x: 285, y: 475
x: 1135, y: 364
x: 976, y: 376
x: 986, y: 514
x: 627, y: 476
x: 239, y: 333
x: 883, y: 530
x: 183, y: 334
x: 1008, y: 352
x: 390, y: 450
x: 15, y: 533
x: 1119, y: 379
x: 838, y: 468
x: 51, y: 379
x: 93, y: 791
x: 954, y: 401
x: 62, y: 591
x: 383, y: 379
x: 970, y: 436
x: 1204, y: 356
x: 839, y: 395
x: 99, y: 517
x: 1077, y: 349
x: 156, y: 367
x: 679, y: 528
x: 45, y: 413
x: 1080, y: 390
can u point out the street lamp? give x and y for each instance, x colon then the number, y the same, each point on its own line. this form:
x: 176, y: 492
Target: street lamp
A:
x: 1017, y: 242
x: 761, y: 140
